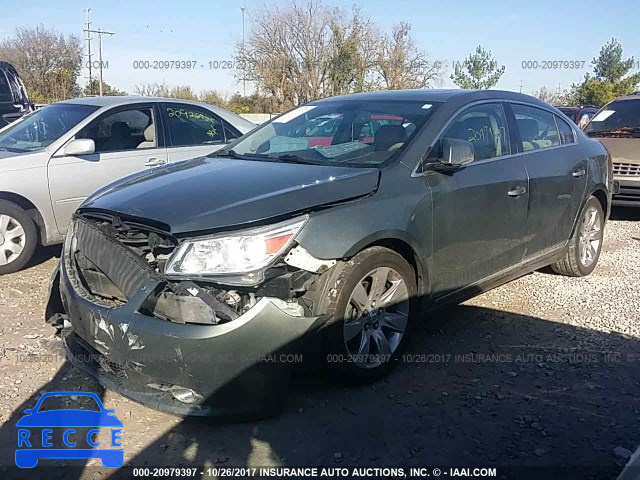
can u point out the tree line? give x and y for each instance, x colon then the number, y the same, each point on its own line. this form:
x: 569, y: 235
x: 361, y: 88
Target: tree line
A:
x: 305, y: 51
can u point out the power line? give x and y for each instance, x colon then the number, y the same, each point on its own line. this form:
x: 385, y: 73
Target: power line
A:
x: 88, y: 29
x: 100, y: 32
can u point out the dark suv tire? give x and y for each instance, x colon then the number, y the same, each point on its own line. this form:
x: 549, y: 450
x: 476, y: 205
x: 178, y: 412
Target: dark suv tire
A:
x: 585, y: 245
x: 18, y: 237
x: 373, y: 304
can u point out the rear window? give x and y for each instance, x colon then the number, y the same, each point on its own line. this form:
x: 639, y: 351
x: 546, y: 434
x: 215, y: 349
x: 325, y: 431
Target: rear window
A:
x: 620, y: 118
x: 569, y: 113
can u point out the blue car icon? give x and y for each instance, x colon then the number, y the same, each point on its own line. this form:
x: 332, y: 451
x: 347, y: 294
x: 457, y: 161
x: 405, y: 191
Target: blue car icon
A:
x: 60, y: 422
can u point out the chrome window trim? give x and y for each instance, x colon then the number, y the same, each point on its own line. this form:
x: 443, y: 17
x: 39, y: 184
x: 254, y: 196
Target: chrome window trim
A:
x: 415, y: 172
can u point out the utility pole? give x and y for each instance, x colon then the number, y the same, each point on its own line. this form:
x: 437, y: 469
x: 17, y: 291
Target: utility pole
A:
x: 100, y: 33
x: 88, y: 10
x: 559, y: 91
x: 520, y: 86
x: 244, y: 61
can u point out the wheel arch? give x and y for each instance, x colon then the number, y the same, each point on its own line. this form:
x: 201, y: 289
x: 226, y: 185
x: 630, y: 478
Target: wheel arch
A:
x: 29, y: 208
x: 406, y: 251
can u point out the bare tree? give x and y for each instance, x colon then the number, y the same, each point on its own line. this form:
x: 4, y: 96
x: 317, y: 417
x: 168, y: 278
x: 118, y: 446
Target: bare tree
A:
x: 550, y: 96
x: 308, y: 50
x: 402, y: 65
x: 48, y: 62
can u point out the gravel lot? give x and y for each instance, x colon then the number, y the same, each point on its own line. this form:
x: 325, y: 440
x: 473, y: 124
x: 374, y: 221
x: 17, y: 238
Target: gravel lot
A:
x: 544, y: 371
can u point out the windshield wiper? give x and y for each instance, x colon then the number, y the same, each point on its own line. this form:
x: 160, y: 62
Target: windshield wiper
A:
x: 222, y: 153
x: 12, y: 150
x: 615, y: 132
x: 292, y: 158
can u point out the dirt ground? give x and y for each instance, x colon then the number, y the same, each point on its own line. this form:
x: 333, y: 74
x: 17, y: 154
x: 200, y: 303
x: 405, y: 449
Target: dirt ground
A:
x: 544, y: 371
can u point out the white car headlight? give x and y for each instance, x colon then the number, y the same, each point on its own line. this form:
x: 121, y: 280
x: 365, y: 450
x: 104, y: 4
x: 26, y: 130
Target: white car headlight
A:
x: 233, y: 253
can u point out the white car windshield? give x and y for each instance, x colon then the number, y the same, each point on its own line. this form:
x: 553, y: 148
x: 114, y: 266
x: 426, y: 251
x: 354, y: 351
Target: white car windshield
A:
x: 42, y: 127
x: 349, y: 132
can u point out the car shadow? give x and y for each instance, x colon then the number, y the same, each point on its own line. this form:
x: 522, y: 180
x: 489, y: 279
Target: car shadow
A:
x: 477, y: 386
x: 43, y: 254
x: 67, y: 378
x: 629, y: 214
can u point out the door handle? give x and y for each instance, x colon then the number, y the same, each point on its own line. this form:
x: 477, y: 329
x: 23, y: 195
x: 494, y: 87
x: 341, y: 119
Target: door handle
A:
x: 154, y: 162
x: 579, y: 173
x: 517, y: 191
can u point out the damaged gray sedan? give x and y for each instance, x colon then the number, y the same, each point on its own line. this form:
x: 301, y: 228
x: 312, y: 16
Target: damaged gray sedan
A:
x: 194, y: 288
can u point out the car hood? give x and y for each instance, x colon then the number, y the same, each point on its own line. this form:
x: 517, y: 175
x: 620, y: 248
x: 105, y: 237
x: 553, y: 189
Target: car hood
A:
x: 622, y: 150
x: 210, y: 193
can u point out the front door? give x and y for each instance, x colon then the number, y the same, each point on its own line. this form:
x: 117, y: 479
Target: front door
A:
x: 479, y: 210
x: 126, y: 142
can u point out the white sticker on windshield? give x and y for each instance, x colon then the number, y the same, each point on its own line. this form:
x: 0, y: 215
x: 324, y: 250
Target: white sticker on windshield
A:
x: 427, y: 106
x: 603, y: 115
x: 287, y: 117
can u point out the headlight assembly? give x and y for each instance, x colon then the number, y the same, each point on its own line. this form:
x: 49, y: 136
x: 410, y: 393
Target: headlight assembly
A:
x: 241, y: 254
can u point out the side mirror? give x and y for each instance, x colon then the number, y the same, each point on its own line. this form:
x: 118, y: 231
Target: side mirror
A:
x: 456, y: 152
x: 80, y: 146
x: 449, y: 154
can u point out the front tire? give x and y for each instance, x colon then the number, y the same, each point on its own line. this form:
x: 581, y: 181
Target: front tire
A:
x: 373, y: 304
x: 18, y: 237
x: 585, y: 245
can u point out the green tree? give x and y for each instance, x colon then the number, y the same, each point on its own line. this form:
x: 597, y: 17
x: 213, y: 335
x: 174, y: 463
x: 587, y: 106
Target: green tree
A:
x: 478, y: 71
x: 107, y: 89
x: 610, y: 78
x: 213, y: 97
x: 48, y: 62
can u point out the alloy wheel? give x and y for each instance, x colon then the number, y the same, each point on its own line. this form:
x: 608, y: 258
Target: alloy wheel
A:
x: 12, y: 239
x: 590, y: 236
x: 376, y: 317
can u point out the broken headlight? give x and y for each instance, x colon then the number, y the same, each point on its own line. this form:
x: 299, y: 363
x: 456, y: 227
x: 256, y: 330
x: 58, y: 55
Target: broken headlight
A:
x: 234, y: 253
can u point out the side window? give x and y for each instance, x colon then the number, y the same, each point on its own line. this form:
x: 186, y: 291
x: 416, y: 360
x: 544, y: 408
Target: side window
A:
x: 191, y: 126
x: 123, y: 130
x: 230, y: 134
x: 566, y: 133
x: 537, y: 127
x: 485, y: 126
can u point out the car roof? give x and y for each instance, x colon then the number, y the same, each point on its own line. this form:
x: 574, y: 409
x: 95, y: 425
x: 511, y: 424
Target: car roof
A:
x: 437, y: 95
x: 633, y: 96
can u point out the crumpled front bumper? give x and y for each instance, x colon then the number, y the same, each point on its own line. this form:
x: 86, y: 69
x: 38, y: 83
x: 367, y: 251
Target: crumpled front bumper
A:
x: 236, y: 369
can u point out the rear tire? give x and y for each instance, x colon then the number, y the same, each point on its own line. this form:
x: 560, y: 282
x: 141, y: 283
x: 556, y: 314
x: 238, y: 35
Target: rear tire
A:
x: 585, y: 245
x: 18, y: 237
x: 373, y: 304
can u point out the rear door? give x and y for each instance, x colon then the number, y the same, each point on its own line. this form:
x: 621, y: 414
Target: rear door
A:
x: 557, y: 175
x: 128, y: 140
x: 194, y: 131
x: 480, y: 209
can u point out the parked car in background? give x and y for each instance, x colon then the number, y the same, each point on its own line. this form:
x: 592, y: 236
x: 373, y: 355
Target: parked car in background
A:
x: 52, y: 159
x: 580, y: 115
x: 617, y: 126
x: 244, y: 255
x: 14, y: 101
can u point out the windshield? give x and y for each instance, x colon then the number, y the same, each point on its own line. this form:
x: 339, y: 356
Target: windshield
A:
x: 5, y: 91
x: 349, y: 132
x: 618, y: 119
x: 43, y: 127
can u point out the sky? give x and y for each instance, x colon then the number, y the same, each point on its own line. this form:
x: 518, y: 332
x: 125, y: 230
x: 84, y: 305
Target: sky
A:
x: 206, y: 31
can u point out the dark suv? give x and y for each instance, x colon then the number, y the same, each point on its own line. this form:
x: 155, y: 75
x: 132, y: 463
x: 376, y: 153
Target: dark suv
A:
x: 617, y: 126
x: 192, y: 287
x: 580, y: 115
x: 14, y: 101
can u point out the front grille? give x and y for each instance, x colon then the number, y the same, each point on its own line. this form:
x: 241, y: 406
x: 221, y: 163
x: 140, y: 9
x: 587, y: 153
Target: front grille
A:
x: 151, y: 244
x: 627, y: 169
